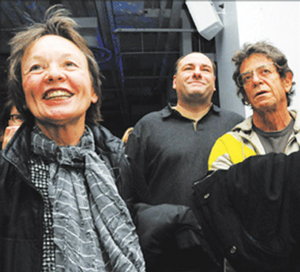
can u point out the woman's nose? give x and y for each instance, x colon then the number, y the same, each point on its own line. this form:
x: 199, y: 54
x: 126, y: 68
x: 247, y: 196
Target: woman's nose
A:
x: 53, y: 74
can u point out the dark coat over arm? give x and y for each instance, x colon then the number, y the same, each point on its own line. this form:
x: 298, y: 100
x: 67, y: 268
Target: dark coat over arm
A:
x: 250, y: 213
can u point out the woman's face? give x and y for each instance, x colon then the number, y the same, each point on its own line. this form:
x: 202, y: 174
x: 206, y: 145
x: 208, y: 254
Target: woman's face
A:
x: 56, y: 81
x: 15, y: 118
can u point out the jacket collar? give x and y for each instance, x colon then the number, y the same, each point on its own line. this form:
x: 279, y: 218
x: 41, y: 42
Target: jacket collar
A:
x: 296, y: 116
x: 106, y: 141
x: 247, y: 125
x: 17, y: 151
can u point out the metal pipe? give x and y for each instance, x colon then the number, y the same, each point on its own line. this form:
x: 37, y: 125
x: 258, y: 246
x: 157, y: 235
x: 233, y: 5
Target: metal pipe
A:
x: 145, y: 30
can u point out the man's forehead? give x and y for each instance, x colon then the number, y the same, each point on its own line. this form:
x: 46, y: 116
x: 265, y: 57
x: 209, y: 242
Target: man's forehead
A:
x: 195, y: 59
x: 255, y: 60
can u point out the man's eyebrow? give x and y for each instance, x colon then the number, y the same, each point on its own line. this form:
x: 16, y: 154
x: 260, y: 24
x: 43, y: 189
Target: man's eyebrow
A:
x: 247, y: 72
x: 188, y: 64
x: 206, y: 66
x: 192, y: 64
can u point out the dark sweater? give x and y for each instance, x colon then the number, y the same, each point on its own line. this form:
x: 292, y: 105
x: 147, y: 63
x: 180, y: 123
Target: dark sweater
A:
x: 171, y: 154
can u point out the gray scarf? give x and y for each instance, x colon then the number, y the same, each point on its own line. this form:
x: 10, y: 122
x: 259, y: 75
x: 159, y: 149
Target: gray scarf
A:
x: 93, y: 230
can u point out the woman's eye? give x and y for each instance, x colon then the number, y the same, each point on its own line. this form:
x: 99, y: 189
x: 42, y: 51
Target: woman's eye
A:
x: 19, y: 118
x: 35, y: 67
x: 70, y: 64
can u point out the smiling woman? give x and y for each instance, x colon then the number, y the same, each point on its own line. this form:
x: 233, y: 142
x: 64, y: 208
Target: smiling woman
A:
x: 57, y: 87
x: 59, y: 173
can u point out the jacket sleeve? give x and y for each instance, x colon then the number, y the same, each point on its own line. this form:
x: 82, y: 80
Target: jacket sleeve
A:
x: 228, y: 150
x: 219, y: 157
x: 247, y: 212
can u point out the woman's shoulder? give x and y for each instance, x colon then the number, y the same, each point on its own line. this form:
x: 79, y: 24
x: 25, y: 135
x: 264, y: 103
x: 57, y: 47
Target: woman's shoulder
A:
x: 105, y: 140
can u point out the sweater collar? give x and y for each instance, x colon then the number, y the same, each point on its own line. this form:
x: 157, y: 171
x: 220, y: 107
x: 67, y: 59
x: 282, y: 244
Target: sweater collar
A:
x: 168, y: 110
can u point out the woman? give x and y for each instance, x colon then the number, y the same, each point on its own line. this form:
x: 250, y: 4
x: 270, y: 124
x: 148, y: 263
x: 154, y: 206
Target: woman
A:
x: 10, y: 121
x: 60, y: 207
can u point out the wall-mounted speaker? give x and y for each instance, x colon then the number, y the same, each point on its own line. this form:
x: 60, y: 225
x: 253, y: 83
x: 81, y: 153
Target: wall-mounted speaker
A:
x: 205, y: 17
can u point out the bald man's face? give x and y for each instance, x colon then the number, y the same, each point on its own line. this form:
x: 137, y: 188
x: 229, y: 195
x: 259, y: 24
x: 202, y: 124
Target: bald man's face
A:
x: 195, y: 80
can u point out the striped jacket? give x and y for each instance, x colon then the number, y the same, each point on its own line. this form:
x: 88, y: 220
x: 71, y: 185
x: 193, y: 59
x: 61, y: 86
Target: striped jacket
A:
x: 242, y: 142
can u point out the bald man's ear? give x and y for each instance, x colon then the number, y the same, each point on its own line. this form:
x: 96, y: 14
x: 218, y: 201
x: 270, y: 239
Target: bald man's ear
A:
x: 174, y: 82
x: 215, y: 83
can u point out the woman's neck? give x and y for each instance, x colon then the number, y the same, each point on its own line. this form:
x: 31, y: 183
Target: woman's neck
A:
x: 63, y: 135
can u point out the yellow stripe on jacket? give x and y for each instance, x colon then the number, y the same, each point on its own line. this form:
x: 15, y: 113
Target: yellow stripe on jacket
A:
x: 227, y: 151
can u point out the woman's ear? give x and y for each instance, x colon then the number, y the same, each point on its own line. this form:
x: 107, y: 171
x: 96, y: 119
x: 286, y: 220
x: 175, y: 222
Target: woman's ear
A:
x: 94, y: 97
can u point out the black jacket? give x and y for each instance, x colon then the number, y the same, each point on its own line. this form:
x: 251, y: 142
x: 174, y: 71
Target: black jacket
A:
x: 171, y: 239
x: 21, y: 213
x: 250, y: 213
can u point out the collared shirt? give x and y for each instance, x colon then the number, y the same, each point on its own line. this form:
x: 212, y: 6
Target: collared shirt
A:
x: 172, y: 153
